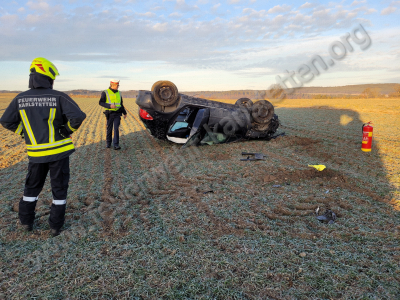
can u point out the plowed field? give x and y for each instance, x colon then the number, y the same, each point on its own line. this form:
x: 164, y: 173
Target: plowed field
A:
x: 154, y: 221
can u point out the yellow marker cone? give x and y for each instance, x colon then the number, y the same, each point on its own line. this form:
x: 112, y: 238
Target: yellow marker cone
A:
x: 318, y: 167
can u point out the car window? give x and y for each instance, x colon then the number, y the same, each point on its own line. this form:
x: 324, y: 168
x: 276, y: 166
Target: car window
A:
x: 178, y: 125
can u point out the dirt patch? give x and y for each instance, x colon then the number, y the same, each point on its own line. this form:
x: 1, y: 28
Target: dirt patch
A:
x: 289, y: 141
x: 269, y: 178
x: 218, y: 156
x: 283, y: 175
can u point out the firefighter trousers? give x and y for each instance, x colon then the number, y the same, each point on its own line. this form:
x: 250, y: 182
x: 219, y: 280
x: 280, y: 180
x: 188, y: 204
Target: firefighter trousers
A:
x: 59, y: 178
x: 113, y: 120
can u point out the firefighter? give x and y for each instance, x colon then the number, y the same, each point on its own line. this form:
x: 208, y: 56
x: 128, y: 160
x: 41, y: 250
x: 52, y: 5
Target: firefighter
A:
x: 45, y: 118
x: 111, y: 100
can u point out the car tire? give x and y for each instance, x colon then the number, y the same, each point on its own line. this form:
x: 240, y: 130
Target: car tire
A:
x: 165, y: 93
x: 244, y: 102
x: 262, y: 112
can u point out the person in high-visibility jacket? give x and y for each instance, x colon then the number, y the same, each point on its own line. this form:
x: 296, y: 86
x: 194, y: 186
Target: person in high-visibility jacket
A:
x: 111, y: 100
x: 45, y: 118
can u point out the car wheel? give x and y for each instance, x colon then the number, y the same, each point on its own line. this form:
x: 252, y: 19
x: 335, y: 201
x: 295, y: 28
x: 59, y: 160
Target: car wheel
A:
x: 244, y: 102
x: 165, y: 93
x: 262, y: 112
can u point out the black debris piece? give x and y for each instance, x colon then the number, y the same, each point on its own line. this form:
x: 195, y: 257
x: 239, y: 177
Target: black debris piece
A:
x: 278, y: 135
x: 257, y: 156
x: 329, y: 217
x: 206, y: 192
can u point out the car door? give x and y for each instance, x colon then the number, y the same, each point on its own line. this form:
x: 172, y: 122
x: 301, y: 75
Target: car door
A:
x: 198, y: 129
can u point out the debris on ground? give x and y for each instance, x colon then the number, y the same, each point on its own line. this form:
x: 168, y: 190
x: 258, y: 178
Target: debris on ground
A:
x: 318, y: 167
x: 278, y: 135
x: 210, y: 191
x: 205, y: 189
x: 328, y: 217
x: 257, y: 156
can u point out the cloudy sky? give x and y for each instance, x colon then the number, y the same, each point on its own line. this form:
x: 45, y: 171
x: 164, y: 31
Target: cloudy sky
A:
x: 197, y: 44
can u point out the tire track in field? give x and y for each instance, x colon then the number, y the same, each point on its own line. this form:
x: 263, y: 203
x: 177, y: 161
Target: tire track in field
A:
x: 100, y: 154
x: 97, y: 153
x: 219, y: 226
x: 160, y: 190
x: 202, y: 207
x: 112, y: 205
x: 283, y: 212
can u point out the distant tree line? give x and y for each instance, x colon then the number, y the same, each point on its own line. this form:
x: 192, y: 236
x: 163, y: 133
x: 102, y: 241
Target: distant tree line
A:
x: 346, y: 92
x: 385, y: 90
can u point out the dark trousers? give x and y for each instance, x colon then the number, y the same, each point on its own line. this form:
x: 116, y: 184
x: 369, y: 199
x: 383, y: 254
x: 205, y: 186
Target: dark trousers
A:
x: 114, y: 119
x: 59, y: 178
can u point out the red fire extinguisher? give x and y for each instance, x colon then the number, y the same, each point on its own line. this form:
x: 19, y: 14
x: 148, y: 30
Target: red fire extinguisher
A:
x: 367, y: 130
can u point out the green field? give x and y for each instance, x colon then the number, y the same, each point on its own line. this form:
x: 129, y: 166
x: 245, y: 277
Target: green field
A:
x: 142, y: 223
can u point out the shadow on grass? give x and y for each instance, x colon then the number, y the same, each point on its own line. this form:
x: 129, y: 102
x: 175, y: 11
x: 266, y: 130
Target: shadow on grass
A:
x: 141, y: 222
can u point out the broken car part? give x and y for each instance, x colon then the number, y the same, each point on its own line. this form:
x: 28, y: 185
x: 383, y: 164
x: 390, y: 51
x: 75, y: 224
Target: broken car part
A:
x: 257, y: 156
x: 328, y: 217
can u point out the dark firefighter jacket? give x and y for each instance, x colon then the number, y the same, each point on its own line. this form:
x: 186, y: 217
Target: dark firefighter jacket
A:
x: 45, y: 118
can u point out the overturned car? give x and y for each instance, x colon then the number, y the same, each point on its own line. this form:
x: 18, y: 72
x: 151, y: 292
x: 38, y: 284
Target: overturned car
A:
x: 188, y: 120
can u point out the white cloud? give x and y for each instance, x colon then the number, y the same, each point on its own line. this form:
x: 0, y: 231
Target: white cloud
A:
x: 160, y: 27
x: 183, y: 6
x: 21, y: 9
x: 215, y: 7
x: 8, y: 20
x: 306, y: 5
x: 365, y: 10
x: 38, y: 5
x: 356, y: 2
x: 233, y: 1
x: 175, y: 15
x: 388, y: 10
x: 148, y: 14
x: 157, y: 8
x: 279, y: 9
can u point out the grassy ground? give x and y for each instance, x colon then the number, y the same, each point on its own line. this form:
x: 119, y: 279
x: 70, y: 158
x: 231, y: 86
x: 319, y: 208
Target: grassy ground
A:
x: 143, y: 224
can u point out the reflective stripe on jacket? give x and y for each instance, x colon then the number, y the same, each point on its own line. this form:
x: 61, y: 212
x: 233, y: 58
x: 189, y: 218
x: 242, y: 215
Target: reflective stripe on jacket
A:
x: 39, y: 114
x: 113, y: 98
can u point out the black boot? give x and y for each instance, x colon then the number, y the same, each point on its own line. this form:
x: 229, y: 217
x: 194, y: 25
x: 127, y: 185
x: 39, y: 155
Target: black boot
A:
x: 56, y: 218
x: 26, y: 213
x: 27, y: 227
x: 55, y: 232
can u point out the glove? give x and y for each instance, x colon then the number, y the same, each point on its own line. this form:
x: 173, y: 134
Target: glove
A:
x: 64, y: 132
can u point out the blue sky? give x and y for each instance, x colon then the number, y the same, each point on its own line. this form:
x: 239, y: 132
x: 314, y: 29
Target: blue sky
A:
x: 199, y: 44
